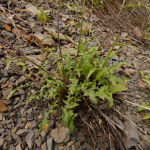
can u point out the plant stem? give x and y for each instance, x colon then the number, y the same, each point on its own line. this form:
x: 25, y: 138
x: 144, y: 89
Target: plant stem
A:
x: 107, y: 57
x: 108, y: 31
x: 28, y: 58
x: 79, y: 41
x: 63, y: 72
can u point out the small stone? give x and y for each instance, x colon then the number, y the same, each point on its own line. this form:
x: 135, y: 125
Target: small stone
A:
x: 43, y: 134
x: 22, y: 132
x: 70, y: 143
x: 1, y: 116
x: 36, y: 133
x: 20, y: 80
x: 15, y: 129
x: 80, y: 137
x: 1, y: 141
x: 38, y: 141
x: 21, y: 92
x: 30, y: 138
x: 49, y: 144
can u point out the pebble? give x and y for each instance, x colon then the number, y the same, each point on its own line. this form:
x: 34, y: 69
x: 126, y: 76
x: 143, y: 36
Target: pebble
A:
x: 30, y: 138
x: 22, y: 132
x: 49, y: 144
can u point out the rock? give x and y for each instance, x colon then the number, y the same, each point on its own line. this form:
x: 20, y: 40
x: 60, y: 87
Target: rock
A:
x: 31, y: 8
x: 8, y: 34
x: 145, y: 142
x: 60, y: 134
x: 4, y: 20
x: 46, y: 42
x: 18, y: 147
x: 80, y: 137
x: 124, y: 35
x: 148, y: 60
x: 16, y: 138
x: 36, y: 133
x: 30, y: 138
x: 21, y: 92
x: 20, y: 80
x: 43, y: 147
x: 3, y: 80
x: 22, y: 132
x: 49, y: 144
x: 1, y: 75
x: 70, y: 143
x: 133, y: 138
x: 132, y: 71
x: 43, y: 134
x: 61, y: 24
x: 115, y: 58
x: 137, y: 32
x: 119, y: 122
x: 1, y: 142
x: 4, y: 1
x: 38, y: 141
x: 6, y: 92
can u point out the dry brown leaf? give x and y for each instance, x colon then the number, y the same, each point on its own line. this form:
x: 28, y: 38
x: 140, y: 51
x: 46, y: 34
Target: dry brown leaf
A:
x: 28, y: 125
x: 72, y: 23
x: 10, y: 52
x: 1, y: 46
x: 3, y: 86
x: 46, y: 127
x: 7, y: 27
x: 141, y: 84
x: 39, y: 117
x: 2, y: 106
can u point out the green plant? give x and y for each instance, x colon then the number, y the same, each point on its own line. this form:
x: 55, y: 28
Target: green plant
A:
x: 147, y: 80
x: 141, y: 109
x: 81, y: 77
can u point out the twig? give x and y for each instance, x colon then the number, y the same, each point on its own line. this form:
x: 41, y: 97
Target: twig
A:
x: 128, y: 120
x: 94, y: 143
x: 28, y: 58
x: 85, y: 122
x: 132, y: 103
x: 110, y: 121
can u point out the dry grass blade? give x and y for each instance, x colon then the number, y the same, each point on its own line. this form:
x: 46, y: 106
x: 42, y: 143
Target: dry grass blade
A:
x: 110, y: 121
x: 128, y: 120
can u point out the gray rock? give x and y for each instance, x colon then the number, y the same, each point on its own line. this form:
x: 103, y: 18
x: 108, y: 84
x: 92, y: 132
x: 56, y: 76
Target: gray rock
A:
x: 21, y: 92
x: 33, y: 124
x: 1, y: 116
x: 115, y: 58
x: 133, y: 138
x: 16, y: 138
x: 18, y: 147
x: 36, y: 133
x: 80, y: 137
x: 1, y: 141
x: 1, y: 74
x: 43, y: 134
x: 6, y: 92
x: 38, y: 141
x: 4, y: 20
x: 49, y: 144
x: 3, y: 80
x: 22, y: 132
x: 8, y: 34
x: 29, y: 110
x: 20, y: 80
x: 30, y: 138
x: 12, y: 147
x: 119, y: 122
